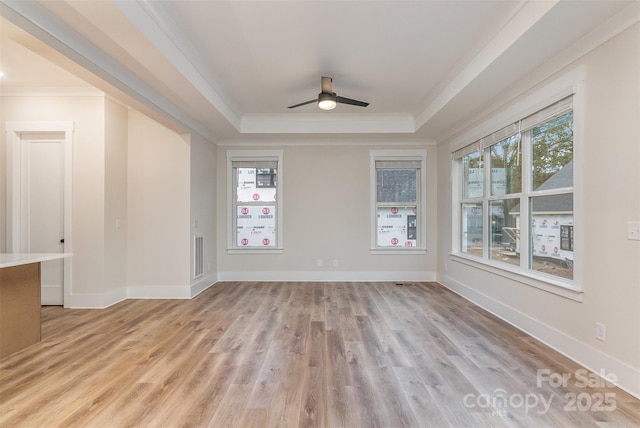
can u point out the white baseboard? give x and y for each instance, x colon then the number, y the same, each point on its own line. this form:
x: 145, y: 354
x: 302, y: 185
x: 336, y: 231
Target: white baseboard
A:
x: 101, y: 301
x: 159, y: 292
x: 627, y: 377
x: 96, y: 301
x: 202, y: 284
x: 323, y: 276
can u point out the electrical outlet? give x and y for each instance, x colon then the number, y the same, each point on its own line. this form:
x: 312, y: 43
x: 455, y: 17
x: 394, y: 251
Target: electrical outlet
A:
x: 336, y: 263
x: 319, y: 262
x: 633, y: 230
x: 600, y: 331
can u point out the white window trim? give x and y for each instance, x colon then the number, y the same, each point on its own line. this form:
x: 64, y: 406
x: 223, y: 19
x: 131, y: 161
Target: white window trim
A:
x: 254, y: 155
x: 570, y: 84
x: 532, y: 278
x: 399, y: 155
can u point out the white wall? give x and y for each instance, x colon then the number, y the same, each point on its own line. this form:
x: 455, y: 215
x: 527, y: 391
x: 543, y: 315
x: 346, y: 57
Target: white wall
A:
x: 130, y: 169
x: 87, y: 114
x: 608, y: 196
x: 115, y: 205
x: 327, y: 216
x: 203, y: 208
x: 3, y: 178
x: 158, y: 205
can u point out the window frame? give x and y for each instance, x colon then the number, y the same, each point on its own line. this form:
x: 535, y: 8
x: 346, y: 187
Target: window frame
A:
x: 256, y: 156
x: 399, y: 155
x: 571, y: 84
x: 525, y: 196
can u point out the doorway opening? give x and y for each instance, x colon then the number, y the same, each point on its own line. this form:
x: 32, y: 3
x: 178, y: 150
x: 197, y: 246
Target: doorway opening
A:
x: 39, y: 199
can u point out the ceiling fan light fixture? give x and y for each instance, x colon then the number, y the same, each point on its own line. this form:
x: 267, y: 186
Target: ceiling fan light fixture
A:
x: 326, y: 101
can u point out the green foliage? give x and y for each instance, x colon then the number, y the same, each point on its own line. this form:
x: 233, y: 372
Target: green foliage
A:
x: 507, y: 154
x: 552, y: 144
x: 552, y: 149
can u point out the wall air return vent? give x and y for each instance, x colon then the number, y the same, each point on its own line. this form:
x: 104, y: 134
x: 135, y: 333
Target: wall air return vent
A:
x: 198, y: 252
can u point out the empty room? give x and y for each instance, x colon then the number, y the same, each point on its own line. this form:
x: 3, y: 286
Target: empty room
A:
x: 341, y: 213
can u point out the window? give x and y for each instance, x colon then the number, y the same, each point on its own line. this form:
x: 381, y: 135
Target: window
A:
x: 516, y: 194
x: 255, y: 188
x: 266, y: 177
x: 398, y: 181
x: 566, y: 238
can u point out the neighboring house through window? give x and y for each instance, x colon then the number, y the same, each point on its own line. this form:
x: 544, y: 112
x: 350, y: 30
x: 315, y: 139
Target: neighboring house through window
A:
x: 255, y: 179
x: 397, y: 191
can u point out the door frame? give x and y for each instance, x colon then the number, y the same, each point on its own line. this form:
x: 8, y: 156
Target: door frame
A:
x: 17, y: 216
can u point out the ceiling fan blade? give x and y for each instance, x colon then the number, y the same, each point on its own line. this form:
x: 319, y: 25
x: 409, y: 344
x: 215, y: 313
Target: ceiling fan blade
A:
x: 328, y: 94
x: 325, y: 84
x: 304, y: 103
x: 344, y: 100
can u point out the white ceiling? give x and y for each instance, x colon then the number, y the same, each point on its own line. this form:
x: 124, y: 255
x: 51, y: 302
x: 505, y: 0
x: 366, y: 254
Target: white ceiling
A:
x: 229, y: 69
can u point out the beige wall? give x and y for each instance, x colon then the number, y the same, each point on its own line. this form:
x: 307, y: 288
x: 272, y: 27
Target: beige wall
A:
x: 87, y: 114
x: 115, y: 216
x: 607, y: 197
x: 126, y: 167
x: 158, y: 209
x: 327, y: 216
x: 203, y: 206
x: 3, y: 178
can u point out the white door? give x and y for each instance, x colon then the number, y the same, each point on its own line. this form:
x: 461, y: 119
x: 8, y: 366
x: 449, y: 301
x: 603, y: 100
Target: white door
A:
x: 45, y: 208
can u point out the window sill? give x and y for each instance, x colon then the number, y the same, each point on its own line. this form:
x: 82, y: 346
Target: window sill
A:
x: 541, y: 282
x: 234, y: 251
x: 400, y: 250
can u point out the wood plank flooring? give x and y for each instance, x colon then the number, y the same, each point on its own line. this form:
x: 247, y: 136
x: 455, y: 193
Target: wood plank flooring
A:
x: 298, y: 354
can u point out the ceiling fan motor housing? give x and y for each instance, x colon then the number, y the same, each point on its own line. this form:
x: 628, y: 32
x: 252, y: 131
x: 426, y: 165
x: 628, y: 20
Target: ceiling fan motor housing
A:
x: 327, y: 101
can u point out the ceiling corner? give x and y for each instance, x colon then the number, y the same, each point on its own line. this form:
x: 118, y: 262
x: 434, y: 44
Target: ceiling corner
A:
x: 157, y: 27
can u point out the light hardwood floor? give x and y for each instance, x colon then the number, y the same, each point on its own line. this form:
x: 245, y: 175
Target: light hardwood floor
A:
x: 298, y: 354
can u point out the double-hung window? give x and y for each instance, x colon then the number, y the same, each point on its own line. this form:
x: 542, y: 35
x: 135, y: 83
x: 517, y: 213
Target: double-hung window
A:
x: 255, y: 179
x: 398, y: 183
x: 516, y: 194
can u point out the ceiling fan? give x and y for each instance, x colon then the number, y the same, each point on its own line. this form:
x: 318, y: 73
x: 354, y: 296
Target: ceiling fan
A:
x: 327, y: 99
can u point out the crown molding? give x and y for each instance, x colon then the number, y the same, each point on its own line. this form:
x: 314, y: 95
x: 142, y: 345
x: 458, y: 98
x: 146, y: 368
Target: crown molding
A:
x: 48, y: 28
x: 158, y: 27
x: 328, y: 124
x: 53, y: 91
